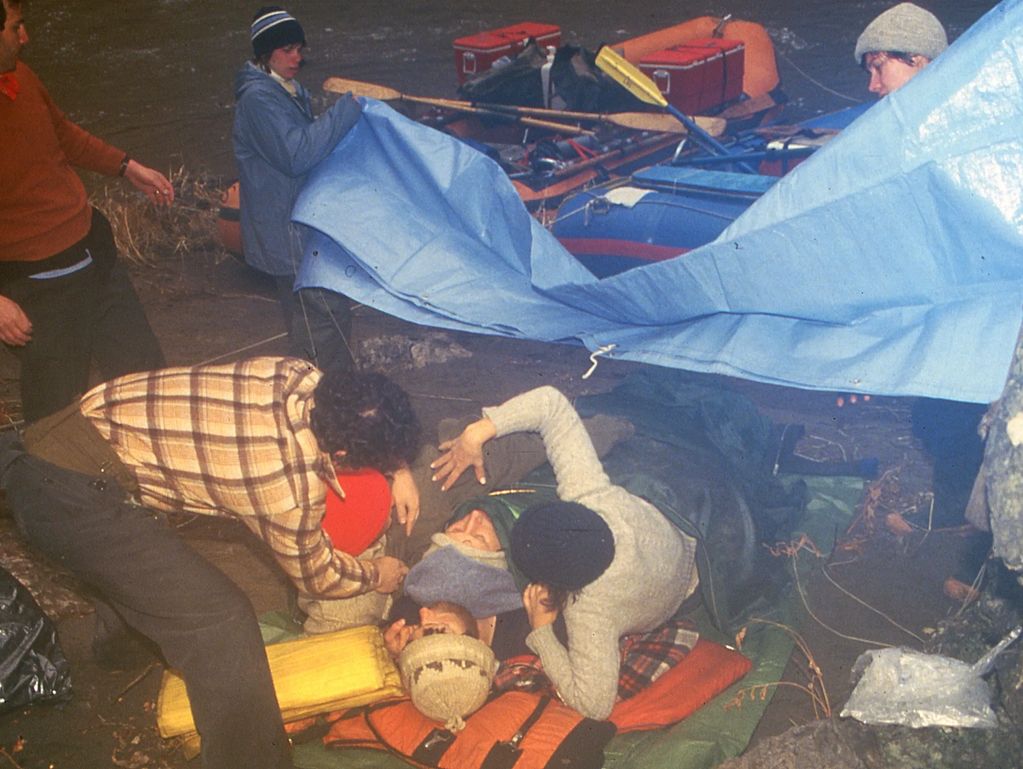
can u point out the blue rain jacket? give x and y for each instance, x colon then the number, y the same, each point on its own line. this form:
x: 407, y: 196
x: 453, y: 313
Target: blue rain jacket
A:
x: 277, y: 141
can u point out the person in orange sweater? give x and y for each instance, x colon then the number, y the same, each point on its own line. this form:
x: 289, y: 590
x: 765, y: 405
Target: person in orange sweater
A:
x: 64, y: 300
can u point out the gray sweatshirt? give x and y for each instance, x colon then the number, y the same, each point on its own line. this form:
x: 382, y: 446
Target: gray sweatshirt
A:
x: 653, y: 570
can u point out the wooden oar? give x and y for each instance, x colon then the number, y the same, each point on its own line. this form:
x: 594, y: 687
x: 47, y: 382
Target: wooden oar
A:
x: 640, y: 121
x: 340, y: 85
x: 643, y: 88
x: 749, y: 107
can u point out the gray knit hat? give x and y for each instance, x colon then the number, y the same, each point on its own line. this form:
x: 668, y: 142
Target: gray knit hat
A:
x: 903, y: 28
x: 447, y: 676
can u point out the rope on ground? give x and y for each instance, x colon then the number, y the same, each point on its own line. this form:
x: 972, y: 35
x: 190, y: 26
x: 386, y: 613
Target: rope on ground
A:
x: 604, y: 349
x: 822, y: 623
x: 866, y: 605
x: 974, y: 590
x: 792, y: 550
x: 442, y: 397
x: 246, y: 348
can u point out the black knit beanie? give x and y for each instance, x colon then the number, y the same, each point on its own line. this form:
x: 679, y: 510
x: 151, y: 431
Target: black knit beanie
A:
x: 273, y: 28
x: 562, y: 544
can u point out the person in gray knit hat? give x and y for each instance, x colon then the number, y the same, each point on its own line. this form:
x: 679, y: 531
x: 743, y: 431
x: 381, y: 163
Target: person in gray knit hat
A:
x: 897, y: 45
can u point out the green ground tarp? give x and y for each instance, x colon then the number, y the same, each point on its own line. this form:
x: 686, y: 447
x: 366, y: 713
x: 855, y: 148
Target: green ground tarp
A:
x: 723, y: 727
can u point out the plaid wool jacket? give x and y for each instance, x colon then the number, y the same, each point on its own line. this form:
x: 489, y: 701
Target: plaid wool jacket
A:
x: 234, y: 440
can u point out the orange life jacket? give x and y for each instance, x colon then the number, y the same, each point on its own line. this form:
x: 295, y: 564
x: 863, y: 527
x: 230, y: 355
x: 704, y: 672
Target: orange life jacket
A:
x: 515, y: 729
x: 528, y: 730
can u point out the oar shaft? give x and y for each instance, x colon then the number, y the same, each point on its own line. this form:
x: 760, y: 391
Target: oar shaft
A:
x: 478, y: 110
x: 709, y: 142
x: 640, y: 121
x: 705, y: 138
x: 656, y: 122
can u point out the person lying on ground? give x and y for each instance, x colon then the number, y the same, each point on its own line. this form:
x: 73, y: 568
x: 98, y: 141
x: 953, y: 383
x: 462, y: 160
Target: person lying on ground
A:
x: 607, y: 561
x: 487, y: 592
x: 644, y: 656
x: 438, y: 617
x: 256, y: 440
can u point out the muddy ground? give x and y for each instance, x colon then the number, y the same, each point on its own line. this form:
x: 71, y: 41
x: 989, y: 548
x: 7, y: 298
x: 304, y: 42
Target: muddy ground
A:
x: 210, y: 307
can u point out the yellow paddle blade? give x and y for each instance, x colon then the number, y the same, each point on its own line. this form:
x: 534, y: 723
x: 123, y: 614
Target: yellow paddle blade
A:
x: 359, y: 88
x: 615, y: 66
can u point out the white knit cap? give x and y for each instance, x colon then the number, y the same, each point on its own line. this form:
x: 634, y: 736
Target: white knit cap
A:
x: 448, y: 676
x: 904, y: 28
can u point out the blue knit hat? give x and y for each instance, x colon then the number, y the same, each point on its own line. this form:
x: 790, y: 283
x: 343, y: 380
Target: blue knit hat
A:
x: 448, y: 575
x: 273, y: 28
x: 562, y: 545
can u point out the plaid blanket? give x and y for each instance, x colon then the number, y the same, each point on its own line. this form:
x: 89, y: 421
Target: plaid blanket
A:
x: 644, y: 658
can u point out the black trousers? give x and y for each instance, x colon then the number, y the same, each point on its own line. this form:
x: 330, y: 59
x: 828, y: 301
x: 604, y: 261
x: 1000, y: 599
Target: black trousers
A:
x: 319, y: 324
x: 92, y: 315
x: 203, y: 623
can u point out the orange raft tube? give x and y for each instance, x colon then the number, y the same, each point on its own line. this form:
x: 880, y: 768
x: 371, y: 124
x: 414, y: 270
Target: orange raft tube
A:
x: 760, y: 78
x: 229, y: 226
x: 761, y: 70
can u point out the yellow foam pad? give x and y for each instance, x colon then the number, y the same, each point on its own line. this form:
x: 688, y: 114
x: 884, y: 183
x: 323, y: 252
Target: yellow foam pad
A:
x: 314, y: 674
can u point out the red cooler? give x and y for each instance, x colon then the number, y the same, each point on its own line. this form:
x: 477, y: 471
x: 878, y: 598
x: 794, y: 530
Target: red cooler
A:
x: 477, y: 53
x: 699, y: 75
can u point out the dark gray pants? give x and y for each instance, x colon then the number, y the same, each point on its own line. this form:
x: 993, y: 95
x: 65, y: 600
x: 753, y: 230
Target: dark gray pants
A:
x: 319, y: 324
x: 203, y: 623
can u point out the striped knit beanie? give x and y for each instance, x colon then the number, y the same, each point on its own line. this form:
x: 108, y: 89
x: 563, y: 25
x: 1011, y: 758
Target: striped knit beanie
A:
x: 273, y: 28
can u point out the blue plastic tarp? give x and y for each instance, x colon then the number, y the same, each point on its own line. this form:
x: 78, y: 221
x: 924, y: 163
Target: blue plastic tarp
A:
x: 891, y: 262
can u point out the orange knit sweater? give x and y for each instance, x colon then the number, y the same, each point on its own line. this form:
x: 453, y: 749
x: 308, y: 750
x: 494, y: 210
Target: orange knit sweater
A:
x: 43, y: 205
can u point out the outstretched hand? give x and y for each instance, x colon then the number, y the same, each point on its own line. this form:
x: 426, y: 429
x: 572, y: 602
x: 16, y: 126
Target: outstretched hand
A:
x: 150, y: 182
x: 463, y: 452
x: 397, y: 636
x: 405, y: 494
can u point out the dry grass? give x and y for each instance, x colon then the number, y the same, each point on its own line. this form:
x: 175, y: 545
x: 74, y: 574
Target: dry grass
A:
x: 151, y: 236
x: 814, y: 687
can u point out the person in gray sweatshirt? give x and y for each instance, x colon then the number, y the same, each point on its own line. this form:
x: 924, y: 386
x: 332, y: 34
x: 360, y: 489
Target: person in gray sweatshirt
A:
x: 606, y: 560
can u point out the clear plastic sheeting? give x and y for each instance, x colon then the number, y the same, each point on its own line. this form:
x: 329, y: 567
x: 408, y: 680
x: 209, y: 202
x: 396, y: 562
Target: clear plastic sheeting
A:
x: 888, y: 263
x: 902, y: 686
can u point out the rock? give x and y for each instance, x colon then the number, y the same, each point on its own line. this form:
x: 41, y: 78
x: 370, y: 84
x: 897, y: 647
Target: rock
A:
x: 402, y: 352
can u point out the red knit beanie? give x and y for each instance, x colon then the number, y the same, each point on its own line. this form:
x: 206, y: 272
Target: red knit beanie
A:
x: 355, y: 522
